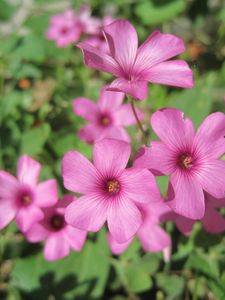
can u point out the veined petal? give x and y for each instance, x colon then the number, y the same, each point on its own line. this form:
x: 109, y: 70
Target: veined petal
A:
x: 138, y: 89
x: 87, y: 213
x: 56, y: 247
x: 117, y: 248
x: 173, y: 129
x: 186, y: 196
x: 140, y: 185
x: 99, y: 60
x: 124, y: 219
x: 157, y: 48
x: 79, y: 175
x: 213, y: 221
x: 111, y: 156
x: 172, y: 72
x: 46, y: 193
x: 75, y: 237
x: 28, y: 170
x: 123, y: 43
x: 212, y: 177
x: 124, y: 115
x: 110, y: 101
x: 85, y: 108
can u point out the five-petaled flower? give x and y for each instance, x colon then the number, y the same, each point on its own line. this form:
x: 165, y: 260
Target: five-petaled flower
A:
x: 23, y: 197
x: 107, y: 117
x: 110, y: 191
x: 135, y: 66
x: 59, y: 237
x: 190, y: 159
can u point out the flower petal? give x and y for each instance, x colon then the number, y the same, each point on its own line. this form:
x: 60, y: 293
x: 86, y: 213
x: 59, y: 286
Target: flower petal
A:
x: 124, y: 115
x: 99, y: 60
x: 87, y: 213
x: 157, y: 48
x: 185, y: 225
x: 46, y: 193
x: 85, y: 108
x: 7, y: 212
x: 8, y: 185
x: 158, y: 158
x: 56, y: 247
x: 172, y: 72
x: 137, y: 89
x: 28, y: 170
x: 111, y: 156
x: 75, y: 237
x: 173, y: 130
x: 212, y: 178
x: 110, y: 101
x: 186, y: 196
x: 124, y: 219
x: 36, y: 233
x: 117, y: 248
x: 140, y: 185
x: 210, y: 135
x: 153, y: 238
x: 27, y: 216
x: 91, y: 133
x: 123, y: 43
x: 79, y: 175
x: 213, y: 221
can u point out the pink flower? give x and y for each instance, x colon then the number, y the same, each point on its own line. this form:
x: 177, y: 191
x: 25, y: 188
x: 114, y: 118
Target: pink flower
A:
x: 135, y: 66
x: 110, y: 192
x: 190, y: 159
x: 59, y: 237
x: 152, y: 237
x: 23, y: 197
x: 106, y: 118
x: 65, y: 28
x: 212, y: 222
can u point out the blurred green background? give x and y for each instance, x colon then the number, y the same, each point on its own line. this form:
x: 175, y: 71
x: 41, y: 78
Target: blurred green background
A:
x: 37, y: 83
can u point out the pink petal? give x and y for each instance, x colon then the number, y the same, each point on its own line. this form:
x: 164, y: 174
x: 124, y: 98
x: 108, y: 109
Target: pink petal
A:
x: 172, y: 72
x: 56, y: 247
x: 87, y: 213
x: 158, y: 158
x: 46, y: 193
x: 167, y: 254
x: 117, y: 248
x: 36, y: 233
x: 27, y: 216
x: 116, y: 132
x: 28, y: 170
x: 212, y: 178
x: 111, y: 156
x: 185, y: 225
x: 124, y: 219
x: 75, y: 237
x: 154, y: 238
x: 210, y: 135
x: 157, y: 48
x: 171, y: 127
x: 7, y: 212
x: 186, y: 196
x: 85, y: 108
x: 137, y: 89
x: 110, y: 101
x: 132, y: 182
x: 8, y: 185
x: 123, y: 42
x: 91, y: 133
x: 124, y: 115
x: 213, y: 221
x: 79, y: 175
x: 99, y: 60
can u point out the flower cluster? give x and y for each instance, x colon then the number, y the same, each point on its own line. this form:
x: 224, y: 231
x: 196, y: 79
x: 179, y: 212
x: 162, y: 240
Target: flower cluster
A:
x: 112, y: 188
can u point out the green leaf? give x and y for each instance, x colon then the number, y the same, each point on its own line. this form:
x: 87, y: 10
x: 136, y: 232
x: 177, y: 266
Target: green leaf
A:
x: 173, y: 285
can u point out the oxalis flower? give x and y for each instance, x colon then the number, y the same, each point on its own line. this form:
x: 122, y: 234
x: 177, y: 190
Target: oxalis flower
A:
x: 153, y: 238
x: 23, y: 197
x: 59, y: 237
x: 110, y: 192
x: 107, y: 117
x: 135, y: 66
x: 190, y: 159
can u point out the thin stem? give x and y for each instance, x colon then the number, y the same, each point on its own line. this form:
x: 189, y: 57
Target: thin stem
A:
x: 132, y: 102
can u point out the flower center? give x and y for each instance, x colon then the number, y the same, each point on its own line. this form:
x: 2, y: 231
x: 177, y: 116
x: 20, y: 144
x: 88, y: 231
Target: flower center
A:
x: 105, y: 120
x: 25, y: 199
x: 64, y: 30
x: 112, y: 186
x: 185, y: 161
x: 57, y: 222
